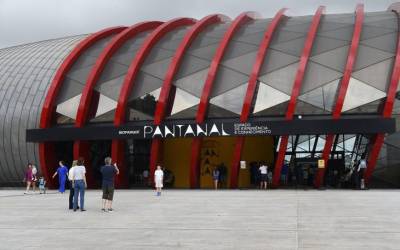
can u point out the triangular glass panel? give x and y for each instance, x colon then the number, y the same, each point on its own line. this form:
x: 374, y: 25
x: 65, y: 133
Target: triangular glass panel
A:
x: 183, y: 100
x: 105, y: 104
x: 69, y: 108
x: 268, y: 97
x: 231, y: 100
x: 359, y: 93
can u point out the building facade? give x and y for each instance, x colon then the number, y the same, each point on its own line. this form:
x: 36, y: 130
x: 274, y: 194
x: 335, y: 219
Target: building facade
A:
x: 194, y: 95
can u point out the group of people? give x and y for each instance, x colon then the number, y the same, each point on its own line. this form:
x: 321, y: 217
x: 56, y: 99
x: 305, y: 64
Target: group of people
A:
x: 78, y: 184
x: 260, y: 175
x: 76, y: 176
x: 31, y: 179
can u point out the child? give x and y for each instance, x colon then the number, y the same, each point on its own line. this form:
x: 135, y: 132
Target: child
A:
x: 42, y: 185
x: 158, y: 179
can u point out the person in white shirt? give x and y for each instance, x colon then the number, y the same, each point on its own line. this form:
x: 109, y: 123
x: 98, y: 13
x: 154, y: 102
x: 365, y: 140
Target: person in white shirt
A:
x: 361, y: 169
x: 71, y: 187
x: 158, y: 179
x: 80, y: 184
x: 264, y: 175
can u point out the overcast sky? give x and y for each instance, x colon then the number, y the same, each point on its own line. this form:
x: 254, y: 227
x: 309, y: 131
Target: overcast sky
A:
x: 24, y: 21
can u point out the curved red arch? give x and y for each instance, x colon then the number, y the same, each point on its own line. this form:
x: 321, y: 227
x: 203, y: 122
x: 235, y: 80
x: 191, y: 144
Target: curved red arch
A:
x: 387, y: 110
x: 169, y: 77
x: 151, y: 40
x: 344, y: 84
x: 80, y: 147
x: 141, y: 55
x: 112, y: 47
x: 205, y: 96
x: 46, y: 150
x: 251, y: 87
x: 305, y: 55
x: 177, y: 59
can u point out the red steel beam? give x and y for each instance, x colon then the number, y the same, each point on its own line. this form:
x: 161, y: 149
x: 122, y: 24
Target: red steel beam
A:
x: 344, y: 84
x: 305, y: 55
x: 86, y: 102
x: 206, y: 92
x: 48, y: 162
x: 134, y: 68
x: 251, y: 88
x: 165, y: 93
x: 387, y: 111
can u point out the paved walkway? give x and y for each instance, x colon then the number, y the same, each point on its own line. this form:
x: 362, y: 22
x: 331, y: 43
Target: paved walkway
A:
x: 205, y: 219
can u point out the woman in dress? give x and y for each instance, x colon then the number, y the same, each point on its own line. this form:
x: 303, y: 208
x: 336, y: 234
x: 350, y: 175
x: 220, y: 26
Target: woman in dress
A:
x: 62, y: 172
x: 28, y: 178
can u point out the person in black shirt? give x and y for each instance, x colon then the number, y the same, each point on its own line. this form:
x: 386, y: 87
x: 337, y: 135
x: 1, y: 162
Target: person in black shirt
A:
x: 108, y: 172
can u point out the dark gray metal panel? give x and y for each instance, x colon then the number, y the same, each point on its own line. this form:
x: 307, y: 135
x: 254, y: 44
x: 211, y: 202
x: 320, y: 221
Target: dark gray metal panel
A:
x: 292, y: 47
x: 236, y: 49
x: 68, y: 90
x: 112, y: 71
x: 125, y: 58
x: 368, y: 32
x: 386, y: 42
x: 323, y: 44
x: 144, y: 84
x: 158, y: 54
x: 243, y: 64
x: 206, y: 53
x: 80, y: 75
x: 190, y: 65
x: 111, y: 88
x: 133, y: 44
x: 341, y: 34
x: 377, y: 75
x: 301, y: 27
x: 227, y: 79
x: 193, y: 83
x: 157, y: 69
x: 367, y: 56
x: 334, y: 59
x: 317, y: 75
x: 281, y: 79
x: 172, y: 40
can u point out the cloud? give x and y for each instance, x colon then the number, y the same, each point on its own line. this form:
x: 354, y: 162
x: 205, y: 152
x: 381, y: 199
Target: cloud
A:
x: 24, y: 21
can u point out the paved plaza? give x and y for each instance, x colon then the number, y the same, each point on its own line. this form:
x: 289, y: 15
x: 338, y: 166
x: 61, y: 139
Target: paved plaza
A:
x: 204, y: 219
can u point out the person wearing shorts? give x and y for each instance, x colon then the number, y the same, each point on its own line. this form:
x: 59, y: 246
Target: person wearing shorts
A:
x: 158, y: 179
x: 108, y: 172
x: 264, y: 176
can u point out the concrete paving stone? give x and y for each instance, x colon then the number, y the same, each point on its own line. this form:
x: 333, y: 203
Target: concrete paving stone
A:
x: 204, y: 219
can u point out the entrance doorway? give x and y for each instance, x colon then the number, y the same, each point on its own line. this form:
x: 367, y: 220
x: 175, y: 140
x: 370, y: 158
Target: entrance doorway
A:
x: 137, y: 155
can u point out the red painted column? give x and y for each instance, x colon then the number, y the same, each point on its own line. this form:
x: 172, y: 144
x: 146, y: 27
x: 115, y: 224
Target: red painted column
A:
x: 387, y: 111
x: 133, y: 71
x: 296, y: 91
x: 206, y: 92
x: 48, y: 162
x: 344, y: 83
x: 251, y: 88
x: 165, y: 94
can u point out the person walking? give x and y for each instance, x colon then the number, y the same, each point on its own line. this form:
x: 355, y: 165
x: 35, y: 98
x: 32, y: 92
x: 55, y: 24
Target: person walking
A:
x: 108, y: 172
x: 34, y: 177
x: 80, y: 184
x: 264, y: 175
x: 215, y: 175
x: 28, y: 178
x: 71, y: 186
x: 158, y: 179
x: 62, y: 172
x: 361, y: 169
